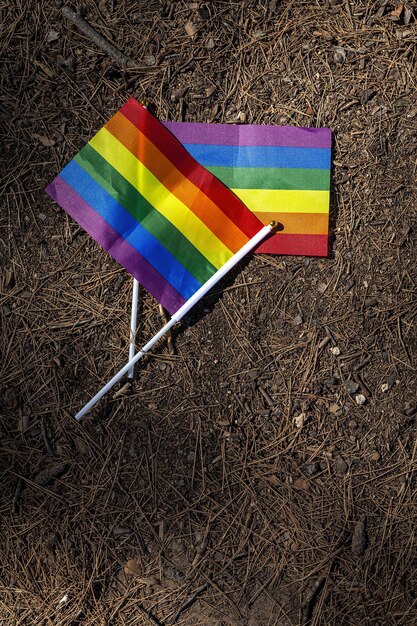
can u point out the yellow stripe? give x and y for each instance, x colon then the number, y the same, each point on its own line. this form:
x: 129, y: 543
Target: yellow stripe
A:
x: 284, y: 200
x: 160, y: 197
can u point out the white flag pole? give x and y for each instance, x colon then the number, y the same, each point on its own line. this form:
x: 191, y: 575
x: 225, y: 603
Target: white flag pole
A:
x: 133, y: 326
x: 260, y: 235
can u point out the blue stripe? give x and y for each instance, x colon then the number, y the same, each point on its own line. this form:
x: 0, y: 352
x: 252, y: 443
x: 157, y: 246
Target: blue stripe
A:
x: 260, y: 156
x: 131, y: 230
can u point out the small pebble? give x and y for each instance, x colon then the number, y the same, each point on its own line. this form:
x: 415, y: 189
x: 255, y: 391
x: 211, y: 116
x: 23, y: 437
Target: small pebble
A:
x: 300, y: 420
x: 258, y: 33
x: 312, y: 469
x: 360, y: 399
x: 339, y: 55
x: 384, y: 387
x: 375, y: 456
x: 204, y: 12
x: 42, y: 216
x: 351, y: 387
x: 298, y: 320
x: 410, y: 408
x: 342, y: 466
x: 335, y: 350
x: 51, y: 541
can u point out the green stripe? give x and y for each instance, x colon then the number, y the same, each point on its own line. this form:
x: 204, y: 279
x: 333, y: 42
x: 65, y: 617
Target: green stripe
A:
x: 155, y: 223
x: 272, y: 178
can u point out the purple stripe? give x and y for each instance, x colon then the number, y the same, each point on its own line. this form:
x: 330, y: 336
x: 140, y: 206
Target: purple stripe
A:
x: 115, y: 245
x: 250, y: 135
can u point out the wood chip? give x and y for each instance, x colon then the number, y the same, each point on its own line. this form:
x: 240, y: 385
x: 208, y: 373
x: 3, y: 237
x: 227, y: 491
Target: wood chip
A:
x: 47, y: 475
x: 359, y: 538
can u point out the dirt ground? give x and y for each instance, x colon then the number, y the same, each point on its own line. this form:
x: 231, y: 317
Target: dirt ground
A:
x: 262, y: 471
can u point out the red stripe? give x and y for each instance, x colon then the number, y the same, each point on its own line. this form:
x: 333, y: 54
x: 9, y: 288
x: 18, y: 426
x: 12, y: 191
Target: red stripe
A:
x: 189, y: 167
x: 297, y: 245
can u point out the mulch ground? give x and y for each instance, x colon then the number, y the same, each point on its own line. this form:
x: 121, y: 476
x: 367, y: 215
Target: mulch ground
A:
x: 262, y: 469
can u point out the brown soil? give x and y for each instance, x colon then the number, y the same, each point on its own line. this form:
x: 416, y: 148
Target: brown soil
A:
x: 238, y: 482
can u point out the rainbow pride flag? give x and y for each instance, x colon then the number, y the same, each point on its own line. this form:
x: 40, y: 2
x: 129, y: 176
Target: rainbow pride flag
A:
x: 281, y: 173
x: 138, y: 192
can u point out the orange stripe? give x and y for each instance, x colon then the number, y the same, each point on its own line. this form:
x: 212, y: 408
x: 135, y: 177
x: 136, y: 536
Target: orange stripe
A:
x: 298, y: 223
x: 162, y: 168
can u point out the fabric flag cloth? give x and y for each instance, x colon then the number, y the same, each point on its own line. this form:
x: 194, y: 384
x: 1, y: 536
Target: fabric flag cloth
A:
x: 281, y: 173
x: 140, y: 194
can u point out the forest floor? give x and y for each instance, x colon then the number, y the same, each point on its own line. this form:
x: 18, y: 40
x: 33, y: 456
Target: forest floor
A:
x: 262, y: 470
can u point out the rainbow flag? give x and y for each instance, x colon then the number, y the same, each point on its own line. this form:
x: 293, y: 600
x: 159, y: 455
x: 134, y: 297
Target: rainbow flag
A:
x: 281, y: 173
x: 138, y: 192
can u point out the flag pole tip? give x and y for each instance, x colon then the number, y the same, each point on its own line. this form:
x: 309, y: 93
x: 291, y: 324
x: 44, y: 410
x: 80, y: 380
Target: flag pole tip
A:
x: 273, y: 224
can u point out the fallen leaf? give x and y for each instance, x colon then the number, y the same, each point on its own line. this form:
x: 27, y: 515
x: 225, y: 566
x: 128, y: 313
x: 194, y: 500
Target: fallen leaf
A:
x: 44, y: 68
x: 302, y: 483
x: 190, y: 29
x: 396, y: 13
x: 43, y: 139
x: 52, y: 36
x: 81, y: 446
x: 274, y: 480
x: 323, y: 35
x: 134, y: 566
